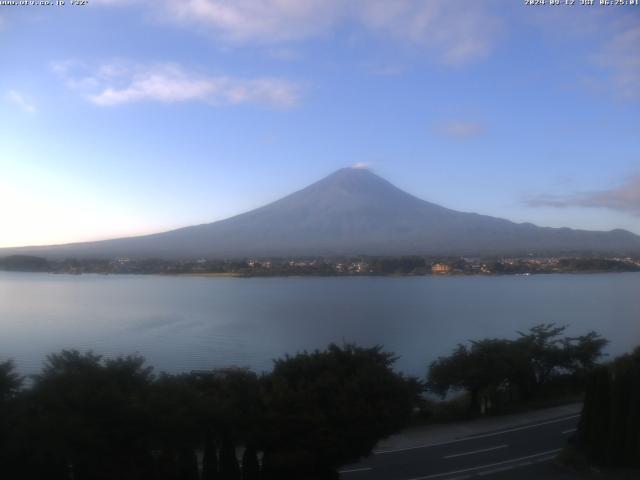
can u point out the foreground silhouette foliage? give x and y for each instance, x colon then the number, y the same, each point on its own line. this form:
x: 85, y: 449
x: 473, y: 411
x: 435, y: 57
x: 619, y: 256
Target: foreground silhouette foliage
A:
x: 609, y: 428
x: 325, y: 409
x: 85, y: 417
x: 501, y: 371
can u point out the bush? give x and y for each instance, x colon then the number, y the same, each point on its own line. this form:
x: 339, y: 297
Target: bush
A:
x: 94, y: 419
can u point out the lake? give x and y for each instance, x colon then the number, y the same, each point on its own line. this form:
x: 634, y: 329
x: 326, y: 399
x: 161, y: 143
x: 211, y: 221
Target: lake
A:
x: 186, y: 323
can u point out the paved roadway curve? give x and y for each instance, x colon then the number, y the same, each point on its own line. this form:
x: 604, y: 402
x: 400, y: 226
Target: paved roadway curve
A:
x: 485, y: 455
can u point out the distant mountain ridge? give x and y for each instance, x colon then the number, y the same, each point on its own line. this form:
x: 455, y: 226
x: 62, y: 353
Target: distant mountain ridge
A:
x: 350, y: 212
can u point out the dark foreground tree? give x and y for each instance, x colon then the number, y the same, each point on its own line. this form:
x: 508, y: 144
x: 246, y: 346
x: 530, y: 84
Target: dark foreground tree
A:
x: 250, y: 465
x: 10, y: 381
x: 328, y: 408
x: 177, y: 430
x: 229, y: 467
x: 89, y: 416
x: 594, y: 424
x: 209, y: 458
x: 10, y: 384
x: 609, y: 429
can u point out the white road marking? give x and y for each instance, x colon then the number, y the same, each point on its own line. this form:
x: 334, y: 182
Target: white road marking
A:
x: 496, y: 470
x: 476, y: 451
x: 354, y: 470
x: 466, y: 439
x: 571, y: 430
x: 481, y: 467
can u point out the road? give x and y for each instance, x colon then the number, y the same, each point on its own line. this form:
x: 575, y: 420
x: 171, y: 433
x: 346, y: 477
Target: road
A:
x: 493, y: 454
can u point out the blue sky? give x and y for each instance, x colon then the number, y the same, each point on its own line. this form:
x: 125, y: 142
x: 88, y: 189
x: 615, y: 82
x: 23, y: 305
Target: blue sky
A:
x: 127, y: 117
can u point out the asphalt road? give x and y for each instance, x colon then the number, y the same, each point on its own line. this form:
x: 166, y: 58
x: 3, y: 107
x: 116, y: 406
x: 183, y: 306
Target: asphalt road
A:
x: 517, y: 452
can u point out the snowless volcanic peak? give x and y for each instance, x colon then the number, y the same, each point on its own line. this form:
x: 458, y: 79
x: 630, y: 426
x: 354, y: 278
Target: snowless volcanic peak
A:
x: 352, y: 211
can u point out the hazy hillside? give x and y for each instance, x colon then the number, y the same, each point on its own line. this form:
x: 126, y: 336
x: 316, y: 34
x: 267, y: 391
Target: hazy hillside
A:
x: 351, y: 212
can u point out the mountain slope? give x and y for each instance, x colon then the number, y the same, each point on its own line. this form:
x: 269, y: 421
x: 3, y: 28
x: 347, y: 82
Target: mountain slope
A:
x: 350, y: 212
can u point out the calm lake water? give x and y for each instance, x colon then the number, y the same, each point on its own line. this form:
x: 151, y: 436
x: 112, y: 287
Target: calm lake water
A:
x: 185, y: 323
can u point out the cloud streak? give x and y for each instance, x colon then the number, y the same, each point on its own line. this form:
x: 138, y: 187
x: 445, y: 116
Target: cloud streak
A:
x: 461, y: 129
x: 613, y: 36
x: 624, y: 198
x: 120, y: 83
x: 621, y: 57
x: 453, y: 35
x: 262, y: 21
x: 21, y: 101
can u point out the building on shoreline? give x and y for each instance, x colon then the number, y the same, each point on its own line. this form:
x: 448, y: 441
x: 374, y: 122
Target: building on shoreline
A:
x: 440, y: 269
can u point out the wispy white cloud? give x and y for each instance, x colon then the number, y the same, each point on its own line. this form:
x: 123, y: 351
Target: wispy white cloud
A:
x: 624, y: 197
x: 443, y: 30
x: 21, y: 101
x: 461, y: 129
x: 454, y: 35
x: 613, y: 36
x: 621, y: 56
x: 264, y: 21
x: 119, y: 83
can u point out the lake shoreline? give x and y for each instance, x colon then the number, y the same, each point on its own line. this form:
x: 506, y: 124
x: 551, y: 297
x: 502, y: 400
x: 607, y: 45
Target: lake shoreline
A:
x: 329, y: 267
x: 331, y: 275
x: 383, y: 275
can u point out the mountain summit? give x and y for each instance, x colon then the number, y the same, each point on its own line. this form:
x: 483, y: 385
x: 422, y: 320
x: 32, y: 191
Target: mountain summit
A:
x: 351, y: 212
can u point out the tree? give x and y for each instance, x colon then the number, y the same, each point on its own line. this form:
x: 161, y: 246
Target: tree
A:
x: 544, y: 349
x: 177, y: 430
x: 518, y: 368
x: 250, y: 464
x: 609, y: 428
x: 482, y: 369
x: 24, y: 263
x: 10, y: 381
x: 328, y: 408
x: 10, y: 431
x: 594, y: 423
x: 551, y: 355
x: 188, y: 464
x: 91, y: 414
x: 209, y: 458
x: 583, y: 352
x: 229, y: 400
x: 229, y: 468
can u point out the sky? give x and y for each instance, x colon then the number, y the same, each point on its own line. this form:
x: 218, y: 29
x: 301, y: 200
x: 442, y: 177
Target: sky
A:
x: 125, y: 117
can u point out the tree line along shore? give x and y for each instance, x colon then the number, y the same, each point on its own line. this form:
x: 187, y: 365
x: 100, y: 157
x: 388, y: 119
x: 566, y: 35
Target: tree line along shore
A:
x: 86, y: 417
x: 339, y: 266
